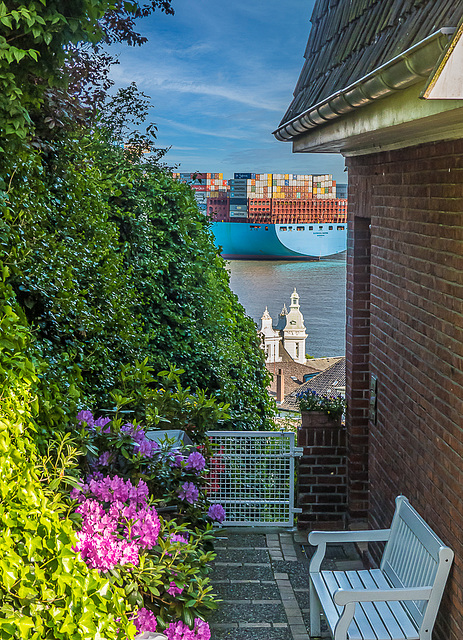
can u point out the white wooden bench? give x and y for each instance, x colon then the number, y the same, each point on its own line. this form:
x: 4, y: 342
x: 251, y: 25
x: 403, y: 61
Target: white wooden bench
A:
x: 398, y: 601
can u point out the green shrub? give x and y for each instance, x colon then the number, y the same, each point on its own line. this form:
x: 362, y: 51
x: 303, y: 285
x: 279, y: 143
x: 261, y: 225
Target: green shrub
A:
x: 46, y: 591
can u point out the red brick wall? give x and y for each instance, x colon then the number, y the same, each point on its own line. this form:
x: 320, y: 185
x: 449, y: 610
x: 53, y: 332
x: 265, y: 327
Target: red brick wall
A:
x: 357, y: 353
x: 322, y: 472
x: 414, y: 198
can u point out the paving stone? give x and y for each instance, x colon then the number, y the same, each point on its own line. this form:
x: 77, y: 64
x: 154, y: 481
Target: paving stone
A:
x: 241, y: 564
x: 224, y: 626
x: 248, y: 591
x: 241, y: 573
x: 302, y: 598
x: 253, y: 634
x: 243, y: 555
x: 248, y: 613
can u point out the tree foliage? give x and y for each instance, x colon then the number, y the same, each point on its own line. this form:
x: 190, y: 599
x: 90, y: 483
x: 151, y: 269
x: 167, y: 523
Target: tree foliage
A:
x: 109, y: 257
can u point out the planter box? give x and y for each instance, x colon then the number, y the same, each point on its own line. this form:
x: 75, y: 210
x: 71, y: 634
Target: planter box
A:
x: 322, y: 479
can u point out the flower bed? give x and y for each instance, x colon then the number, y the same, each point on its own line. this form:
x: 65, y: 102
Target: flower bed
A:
x: 160, y: 562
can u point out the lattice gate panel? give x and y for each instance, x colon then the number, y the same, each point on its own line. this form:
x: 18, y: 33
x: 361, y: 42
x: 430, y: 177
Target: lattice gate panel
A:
x: 252, y: 477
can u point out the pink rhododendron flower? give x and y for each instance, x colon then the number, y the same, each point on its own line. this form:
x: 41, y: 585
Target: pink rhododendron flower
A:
x: 100, y: 541
x: 178, y: 538
x: 116, y: 489
x: 145, y: 620
x: 180, y: 631
x: 104, y: 552
x: 195, y: 461
x: 145, y: 529
x: 188, y: 492
x: 173, y: 589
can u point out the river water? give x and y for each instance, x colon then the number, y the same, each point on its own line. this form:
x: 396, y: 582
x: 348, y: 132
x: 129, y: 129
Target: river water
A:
x: 320, y: 285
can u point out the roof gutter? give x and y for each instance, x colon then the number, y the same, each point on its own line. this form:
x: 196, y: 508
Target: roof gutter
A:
x: 401, y: 72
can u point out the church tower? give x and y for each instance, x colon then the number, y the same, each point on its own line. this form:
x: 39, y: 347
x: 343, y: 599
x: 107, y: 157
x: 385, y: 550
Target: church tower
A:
x: 271, y: 339
x: 294, y: 335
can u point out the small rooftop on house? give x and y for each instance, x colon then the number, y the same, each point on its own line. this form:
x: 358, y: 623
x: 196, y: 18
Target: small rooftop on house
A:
x: 293, y: 373
x: 331, y: 382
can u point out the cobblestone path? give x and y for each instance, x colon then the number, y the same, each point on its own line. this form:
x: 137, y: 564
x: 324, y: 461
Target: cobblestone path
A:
x: 261, y: 579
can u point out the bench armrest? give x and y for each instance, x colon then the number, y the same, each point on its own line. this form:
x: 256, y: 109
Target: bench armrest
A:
x: 345, y: 596
x: 369, y: 535
x: 321, y: 538
x: 348, y: 598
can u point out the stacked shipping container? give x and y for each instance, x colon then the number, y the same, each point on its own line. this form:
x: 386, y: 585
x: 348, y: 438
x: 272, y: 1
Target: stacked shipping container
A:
x: 268, y: 197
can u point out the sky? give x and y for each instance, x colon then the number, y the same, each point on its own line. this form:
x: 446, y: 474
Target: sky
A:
x: 220, y: 76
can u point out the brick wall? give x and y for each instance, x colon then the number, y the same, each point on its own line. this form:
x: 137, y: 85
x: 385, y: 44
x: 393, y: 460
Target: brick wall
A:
x: 414, y: 199
x: 322, y: 474
x: 357, y: 347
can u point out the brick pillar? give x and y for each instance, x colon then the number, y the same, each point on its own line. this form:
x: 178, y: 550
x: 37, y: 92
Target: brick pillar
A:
x: 357, y: 354
x: 322, y: 486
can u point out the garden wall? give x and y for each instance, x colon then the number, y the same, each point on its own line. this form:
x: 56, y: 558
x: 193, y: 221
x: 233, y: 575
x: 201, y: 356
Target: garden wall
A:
x: 322, y: 477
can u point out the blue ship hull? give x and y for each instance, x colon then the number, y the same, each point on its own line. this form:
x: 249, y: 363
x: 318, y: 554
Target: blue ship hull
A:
x: 242, y: 240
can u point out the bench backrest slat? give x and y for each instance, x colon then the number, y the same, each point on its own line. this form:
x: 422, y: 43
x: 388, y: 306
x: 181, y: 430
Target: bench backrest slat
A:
x: 413, y: 556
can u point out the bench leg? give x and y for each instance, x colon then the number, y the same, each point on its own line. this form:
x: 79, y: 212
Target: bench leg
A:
x: 315, y: 611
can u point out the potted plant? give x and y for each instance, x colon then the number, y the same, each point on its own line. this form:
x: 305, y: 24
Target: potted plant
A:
x: 332, y: 406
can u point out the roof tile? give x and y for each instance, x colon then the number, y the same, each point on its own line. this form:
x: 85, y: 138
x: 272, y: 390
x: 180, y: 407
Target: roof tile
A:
x: 350, y: 38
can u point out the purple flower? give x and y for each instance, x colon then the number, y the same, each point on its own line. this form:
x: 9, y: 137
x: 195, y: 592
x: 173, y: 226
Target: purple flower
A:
x: 196, y: 461
x: 216, y: 512
x: 177, y: 461
x: 128, y: 429
x: 102, y: 422
x: 145, y: 620
x: 188, y: 492
x: 86, y: 416
x: 103, y: 460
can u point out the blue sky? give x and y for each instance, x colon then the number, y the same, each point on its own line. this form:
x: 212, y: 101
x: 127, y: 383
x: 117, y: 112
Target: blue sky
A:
x: 221, y: 76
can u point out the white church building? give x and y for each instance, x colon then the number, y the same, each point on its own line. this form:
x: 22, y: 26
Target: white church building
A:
x: 288, y: 335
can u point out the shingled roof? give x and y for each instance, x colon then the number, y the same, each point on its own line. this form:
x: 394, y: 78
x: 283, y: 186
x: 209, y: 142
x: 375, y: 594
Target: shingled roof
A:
x: 324, y: 384
x: 351, y: 38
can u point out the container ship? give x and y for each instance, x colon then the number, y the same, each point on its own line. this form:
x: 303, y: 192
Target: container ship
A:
x: 273, y: 216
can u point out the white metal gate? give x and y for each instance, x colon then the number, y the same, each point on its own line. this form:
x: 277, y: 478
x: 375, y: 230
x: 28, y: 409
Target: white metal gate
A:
x: 252, y: 477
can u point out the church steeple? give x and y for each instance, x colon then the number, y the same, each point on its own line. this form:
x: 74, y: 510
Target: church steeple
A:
x: 294, y: 300
x: 290, y: 330
x: 271, y: 338
x: 294, y: 331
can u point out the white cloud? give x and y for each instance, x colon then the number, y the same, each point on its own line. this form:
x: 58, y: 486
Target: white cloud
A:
x: 168, y: 77
x: 201, y: 131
